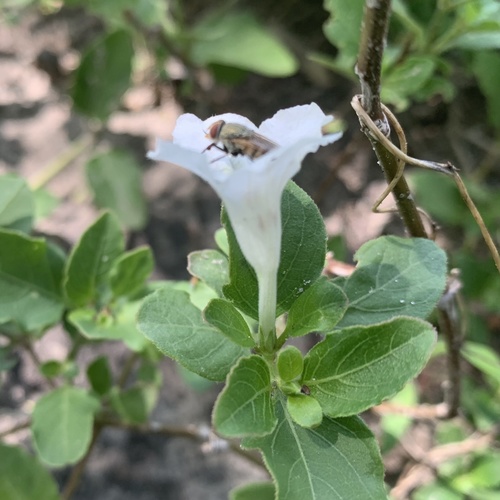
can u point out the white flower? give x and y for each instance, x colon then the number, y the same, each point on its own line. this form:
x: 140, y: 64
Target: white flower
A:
x: 251, y: 189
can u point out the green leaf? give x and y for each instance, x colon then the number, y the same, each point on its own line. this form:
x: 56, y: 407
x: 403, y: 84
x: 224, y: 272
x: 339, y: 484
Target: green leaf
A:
x: 262, y: 491
x: 62, y: 424
x: 176, y: 327
x: 484, y: 358
x: 245, y: 406
x: 135, y: 405
x: 303, y: 248
x: 339, y: 459
x: 115, y: 179
x: 100, y: 376
x: 343, y: 30
x: 22, y: 477
x: 359, y: 367
x: 45, y: 203
x: 290, y: 363
x: 16, y: 204
x: 30, y: 296
x: 130, y: 272
x: 237, y: 39
x: 221, y: 240
x: 118, y: 325
x: 228, y: 320
x: 394, y: 277
x: 7, y: 361
x: 91, y: 259
x: 103, y: 75
x: 318, y: 309
x: 407, y: 78
x: 304, y: 410
x: 486, y: 67
x: 54, y: 368
x: 210, y: 266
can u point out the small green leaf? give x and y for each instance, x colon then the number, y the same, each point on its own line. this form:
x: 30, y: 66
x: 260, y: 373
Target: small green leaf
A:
x: 176, y: 327
x: 304, y: 410
x: 245, y: 406
x: 290, y: 363
x: 484, y: 358
x: 45, y: 203
x: 238, y: 40
x: 221, y: 240
x: 115, y: 179
x: 342, y: 30
x: 338, y: 459
x: 135, y: 405
x: 103, y: 75
x: 228, y: 320
x: 7, y: 361
x: 358, y: 367
x: 99, y: 375
x: 22, y: 477
x: 90, y: 261
x: 262, y: 491
x: 16, y: 204
x: 62, y: 425
x: 130, y: 271
x: 318, y: 309
x: 486, y: 67
x: 303, y: 248
x: 394, y: 277
x: 30, y: 295
x: 119, y: 325
x: 210, y: 266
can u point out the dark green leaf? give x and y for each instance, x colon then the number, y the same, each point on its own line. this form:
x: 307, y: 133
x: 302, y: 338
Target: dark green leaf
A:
x: 6, y: 360
x: 30, y: 297
x: 210, y: 266
x: 318, y: 309
x: 176, y: 327
x: 119, y: 325
x: 303, y: 247
x: 16, y: 204
x: 115, y: 179
x: 359, y: 367
x: 130, y: 272
x: 238, y: 40
x: 135, y: 405
x: 103, y: 75
x: 339, y: 459
x: 394, y: 277
x: 290, y: 363
x: 486, y: 67
x: 22, y: 477
x: 304, y: 410
x: 90, y: 261
x: 228, y: 320
x: 252, y: 491
x: 99, y: 375
x: 245, y: 406
x: 62, y: 425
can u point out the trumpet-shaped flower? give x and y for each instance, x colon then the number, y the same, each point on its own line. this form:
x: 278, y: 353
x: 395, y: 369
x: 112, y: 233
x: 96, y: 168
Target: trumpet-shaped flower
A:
x: 251, y: 189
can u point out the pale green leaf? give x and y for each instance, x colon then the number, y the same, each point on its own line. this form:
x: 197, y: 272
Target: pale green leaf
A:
x: 210, y: 266
x: 22, y: 477
x: 62, y: 425
x: 16, y: 204
x: 130, y: 271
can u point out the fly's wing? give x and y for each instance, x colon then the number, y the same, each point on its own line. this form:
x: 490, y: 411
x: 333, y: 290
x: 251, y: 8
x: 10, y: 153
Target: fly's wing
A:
x: 252, y: 145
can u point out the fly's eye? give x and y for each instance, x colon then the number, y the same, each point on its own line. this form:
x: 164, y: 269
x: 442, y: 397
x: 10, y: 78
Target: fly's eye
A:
x: 214, y: 130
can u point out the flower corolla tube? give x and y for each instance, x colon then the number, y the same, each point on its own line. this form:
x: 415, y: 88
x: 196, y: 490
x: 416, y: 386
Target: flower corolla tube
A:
x: 251, y: 188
